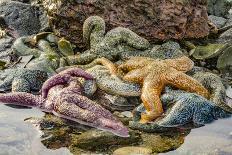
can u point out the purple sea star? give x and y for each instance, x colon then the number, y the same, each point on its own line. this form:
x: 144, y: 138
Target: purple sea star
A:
x: 62, y: 95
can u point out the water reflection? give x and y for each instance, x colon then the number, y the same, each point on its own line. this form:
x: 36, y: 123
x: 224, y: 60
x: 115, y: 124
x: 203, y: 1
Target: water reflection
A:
x: 21, y: 138
x: 212, y: 139
x: 61, y: 137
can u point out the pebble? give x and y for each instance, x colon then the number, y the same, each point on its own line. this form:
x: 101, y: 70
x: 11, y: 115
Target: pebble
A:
x: 127, y: 114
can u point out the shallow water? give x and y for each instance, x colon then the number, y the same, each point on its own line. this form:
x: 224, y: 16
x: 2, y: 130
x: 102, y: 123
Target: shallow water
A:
x: 22, y: 138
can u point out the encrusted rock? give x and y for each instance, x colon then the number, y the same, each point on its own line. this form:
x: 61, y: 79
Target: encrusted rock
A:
x: 150, y: 19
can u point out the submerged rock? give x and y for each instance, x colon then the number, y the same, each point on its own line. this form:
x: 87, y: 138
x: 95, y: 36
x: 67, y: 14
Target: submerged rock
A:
x: 101, y: 140
x: 162, y: 143
x: 150, y: 19
x: 132, y: 150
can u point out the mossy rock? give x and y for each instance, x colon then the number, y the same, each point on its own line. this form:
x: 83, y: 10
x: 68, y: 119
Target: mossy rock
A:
x: 225, y: 60
x: 209, y: 51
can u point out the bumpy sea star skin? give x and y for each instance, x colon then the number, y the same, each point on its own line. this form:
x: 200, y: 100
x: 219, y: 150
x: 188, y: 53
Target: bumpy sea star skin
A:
x: 23, y: 80
x: 107, y: 79
x: 67, y: 101
x: 109, y: 45
x: 217, y: 90
x: 154, y: 74
x: 187, y: 108
x: 63, y: 78
x: 190, y: 107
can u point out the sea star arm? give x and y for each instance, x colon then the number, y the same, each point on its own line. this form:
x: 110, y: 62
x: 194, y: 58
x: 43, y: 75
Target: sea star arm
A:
x: 185, y: 82
x: 183, y: 64
x: 93, y: 31
x: 81, y: 59
x: 217, y: 90
x: 152, y: 87
x: 102, y: 61
x: 20, y: 85
x: 22, y: 99
x: 136, y: 75
x: 64, y: 77
x: 88, y: 116
x: 124, y: 35
x: 135, y: 63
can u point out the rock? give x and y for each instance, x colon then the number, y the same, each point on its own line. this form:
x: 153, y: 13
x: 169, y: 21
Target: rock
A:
x: 219, y: 22
x: 229, y: 92
x: 127, y: 114
x: 101, y: 140
x: 113, y: 102
x: 209, y: 51
x: 133, y: 150
x: 150, y: 19
x: 225, y: 37
x: 224, y: 62
x: 163, y: 143
x: 219, y: 7
x: 229, y: 20
x: 22, y: 18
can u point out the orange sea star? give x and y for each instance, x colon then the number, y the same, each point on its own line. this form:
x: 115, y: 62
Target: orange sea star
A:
x: 154, y: 74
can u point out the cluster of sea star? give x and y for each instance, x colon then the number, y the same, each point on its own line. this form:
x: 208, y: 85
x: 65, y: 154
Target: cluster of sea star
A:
x: 66, y: 95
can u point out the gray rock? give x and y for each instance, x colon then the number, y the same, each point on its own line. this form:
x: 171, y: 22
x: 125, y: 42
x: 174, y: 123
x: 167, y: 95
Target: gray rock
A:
x: 229, y: 20
x: 225, y: 37
x: 23, y: 18
x: 219, y: 7
x: 5, y: 43
x: 218, y: 21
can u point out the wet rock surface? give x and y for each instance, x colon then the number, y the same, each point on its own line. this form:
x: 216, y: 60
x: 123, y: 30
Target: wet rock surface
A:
x: 150, y: 19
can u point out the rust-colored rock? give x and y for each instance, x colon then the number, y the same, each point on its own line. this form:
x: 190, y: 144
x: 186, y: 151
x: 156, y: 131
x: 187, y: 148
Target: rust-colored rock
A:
x: 151, y: 19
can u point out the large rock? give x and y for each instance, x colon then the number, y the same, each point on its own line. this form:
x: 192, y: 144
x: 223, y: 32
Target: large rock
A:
x: 152, y: 19
x: 23, y: 18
